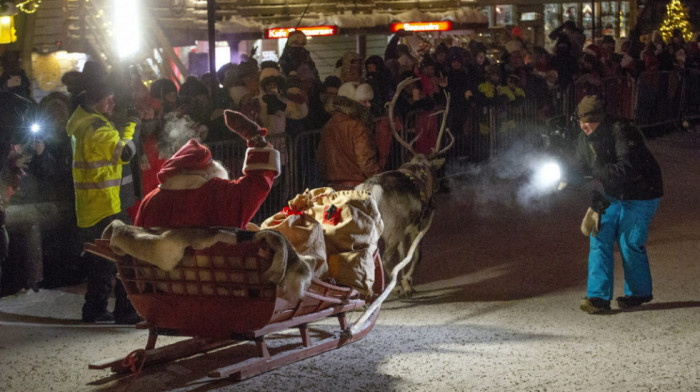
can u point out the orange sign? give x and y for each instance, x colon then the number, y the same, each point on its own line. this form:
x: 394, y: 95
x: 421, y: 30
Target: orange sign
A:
x: 445, y: 25
x: 312, y: 31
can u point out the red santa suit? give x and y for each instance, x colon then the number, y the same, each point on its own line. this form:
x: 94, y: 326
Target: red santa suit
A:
x: 190, y: 195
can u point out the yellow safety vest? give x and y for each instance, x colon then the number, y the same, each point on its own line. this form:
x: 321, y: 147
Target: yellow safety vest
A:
x: 97, y: 165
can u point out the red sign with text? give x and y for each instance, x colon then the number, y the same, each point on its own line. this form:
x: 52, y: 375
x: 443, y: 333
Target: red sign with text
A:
x: 310, y: 31
x: 445, y: 25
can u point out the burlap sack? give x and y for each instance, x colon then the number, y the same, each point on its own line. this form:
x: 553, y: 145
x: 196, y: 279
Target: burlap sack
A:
x: 350, y: 219
x: 354, y: 269
x: 351, y: 226
x: 304, y: 233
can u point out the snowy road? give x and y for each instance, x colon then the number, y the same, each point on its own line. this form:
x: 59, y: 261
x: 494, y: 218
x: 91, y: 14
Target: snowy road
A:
x: 497, y: 310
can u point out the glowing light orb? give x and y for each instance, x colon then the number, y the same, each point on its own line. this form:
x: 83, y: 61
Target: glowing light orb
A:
x: 548, y: 174
x: 126, y: 15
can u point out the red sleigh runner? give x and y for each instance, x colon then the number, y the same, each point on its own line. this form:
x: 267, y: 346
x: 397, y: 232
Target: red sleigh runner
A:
x: 225, y: 301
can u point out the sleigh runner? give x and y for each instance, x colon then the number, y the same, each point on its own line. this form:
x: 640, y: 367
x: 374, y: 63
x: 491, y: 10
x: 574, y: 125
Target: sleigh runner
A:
x: 227, y: 301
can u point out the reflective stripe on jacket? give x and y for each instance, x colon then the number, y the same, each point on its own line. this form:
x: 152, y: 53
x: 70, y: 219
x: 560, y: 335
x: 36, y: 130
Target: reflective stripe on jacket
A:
x: 97, y: 165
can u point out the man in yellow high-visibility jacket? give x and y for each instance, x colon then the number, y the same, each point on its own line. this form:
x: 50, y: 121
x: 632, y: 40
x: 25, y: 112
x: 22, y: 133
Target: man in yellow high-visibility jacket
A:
x: 100, y: 151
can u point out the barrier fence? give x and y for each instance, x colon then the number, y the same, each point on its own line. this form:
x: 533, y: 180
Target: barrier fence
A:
x: 690, y: 95
x: 653, y: 100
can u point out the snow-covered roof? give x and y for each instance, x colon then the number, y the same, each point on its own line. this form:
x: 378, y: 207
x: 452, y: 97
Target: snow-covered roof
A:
x: 349, y: 21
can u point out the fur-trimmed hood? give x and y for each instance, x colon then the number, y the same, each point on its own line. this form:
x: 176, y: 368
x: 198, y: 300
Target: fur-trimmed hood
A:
x: 194, y: 179
x: 349, y: 107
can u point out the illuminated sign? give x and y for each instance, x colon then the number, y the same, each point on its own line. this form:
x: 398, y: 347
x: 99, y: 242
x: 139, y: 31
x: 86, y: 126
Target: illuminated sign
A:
x: 445, y: 25
x: 312, y: 31
x: 8, y: 34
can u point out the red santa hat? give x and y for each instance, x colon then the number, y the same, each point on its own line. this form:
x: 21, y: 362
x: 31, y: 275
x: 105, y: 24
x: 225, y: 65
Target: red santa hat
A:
x: 191, y: 157
x: 516, y: 32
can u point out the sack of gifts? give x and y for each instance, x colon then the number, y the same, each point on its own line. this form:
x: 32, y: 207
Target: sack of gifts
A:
x: 351, y: 226
x: 304, y: 233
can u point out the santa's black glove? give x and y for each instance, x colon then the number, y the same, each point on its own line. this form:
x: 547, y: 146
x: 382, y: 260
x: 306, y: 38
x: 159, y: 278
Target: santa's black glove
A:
x: 599, y: 203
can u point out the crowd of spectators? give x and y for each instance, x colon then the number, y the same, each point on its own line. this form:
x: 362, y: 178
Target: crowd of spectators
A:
x: 289, y: 96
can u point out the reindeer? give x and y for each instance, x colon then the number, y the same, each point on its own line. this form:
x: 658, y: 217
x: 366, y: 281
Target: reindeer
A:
x: 404, y: 196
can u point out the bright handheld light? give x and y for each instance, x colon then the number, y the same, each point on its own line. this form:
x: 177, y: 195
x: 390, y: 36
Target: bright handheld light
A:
x: 126, y: 12
x: 548, y: 175
x: 35, y: 128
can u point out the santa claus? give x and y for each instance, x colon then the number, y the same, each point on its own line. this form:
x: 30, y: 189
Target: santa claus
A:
x: 195, y: 191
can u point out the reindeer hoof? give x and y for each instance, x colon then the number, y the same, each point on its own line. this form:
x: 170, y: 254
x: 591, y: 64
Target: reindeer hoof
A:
x: 406, y: 292
x: 407, y: 289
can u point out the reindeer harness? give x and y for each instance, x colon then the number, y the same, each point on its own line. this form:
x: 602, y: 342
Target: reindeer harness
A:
x: 419, y: 178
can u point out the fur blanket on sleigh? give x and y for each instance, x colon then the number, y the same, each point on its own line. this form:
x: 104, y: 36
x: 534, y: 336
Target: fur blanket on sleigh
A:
x: 165, y: 248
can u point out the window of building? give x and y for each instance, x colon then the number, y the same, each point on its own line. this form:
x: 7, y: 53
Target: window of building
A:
x: 529, y: 16
x: 624, y: 18
x: 587, y: 20
x: 552, y: 20
x: 486, y: 10
x: 608, y: 18
x: 570, y: 11
x: 504, y: 15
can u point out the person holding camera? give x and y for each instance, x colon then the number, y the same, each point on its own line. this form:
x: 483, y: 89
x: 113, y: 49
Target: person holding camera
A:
x: 630, y: 178
x: 100, y: 151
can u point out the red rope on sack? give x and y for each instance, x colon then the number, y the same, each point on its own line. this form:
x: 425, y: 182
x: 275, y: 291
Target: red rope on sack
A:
x: 288, y: 211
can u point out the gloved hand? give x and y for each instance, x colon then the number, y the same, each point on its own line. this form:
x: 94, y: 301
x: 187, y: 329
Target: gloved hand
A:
x: 590, y: 223
x: 131, y: 110
x: 248, y: 130
x: 274, y: 104
x: 132, y: 113
x: 599, y: 203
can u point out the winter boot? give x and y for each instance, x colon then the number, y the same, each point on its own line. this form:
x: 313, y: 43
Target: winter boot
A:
x: 595, y: 305
x: 630, y: 301
x: 102, y: 318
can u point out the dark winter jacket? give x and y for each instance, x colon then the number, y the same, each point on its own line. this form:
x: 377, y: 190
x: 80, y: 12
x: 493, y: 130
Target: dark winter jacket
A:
x: 619, y: 159
x: 381, y: 82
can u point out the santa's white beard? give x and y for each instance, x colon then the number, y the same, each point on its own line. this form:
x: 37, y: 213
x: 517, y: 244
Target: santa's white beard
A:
x: 218, y: 171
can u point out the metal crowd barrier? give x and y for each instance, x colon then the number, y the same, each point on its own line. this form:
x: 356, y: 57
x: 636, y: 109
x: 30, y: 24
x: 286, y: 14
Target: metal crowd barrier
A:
x: 658, y: 99
x: 654, y: 99
x: 489, y: 131
x: 231, y: 153
x: 690, y: 96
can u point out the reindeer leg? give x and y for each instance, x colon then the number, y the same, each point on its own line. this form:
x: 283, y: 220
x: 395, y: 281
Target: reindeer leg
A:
x: 389, y: 258
x: 407, y: 279
x: 403, y: 250
x: 407, y: 276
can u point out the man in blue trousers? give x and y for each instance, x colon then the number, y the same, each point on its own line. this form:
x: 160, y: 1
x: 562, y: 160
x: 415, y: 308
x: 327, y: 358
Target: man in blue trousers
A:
x: 629, y: 177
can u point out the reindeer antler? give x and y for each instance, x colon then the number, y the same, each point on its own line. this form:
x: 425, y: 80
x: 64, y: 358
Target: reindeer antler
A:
x: 436, y: 150
x: 390, y: 105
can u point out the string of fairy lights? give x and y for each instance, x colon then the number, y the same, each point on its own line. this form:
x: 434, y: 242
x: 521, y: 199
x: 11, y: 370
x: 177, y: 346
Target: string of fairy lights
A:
x: 676, y: 19
x: 28, y: 6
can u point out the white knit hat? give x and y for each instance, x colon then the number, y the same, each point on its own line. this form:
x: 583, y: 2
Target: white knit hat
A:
x: 513, y: 46
x: 356, y: 91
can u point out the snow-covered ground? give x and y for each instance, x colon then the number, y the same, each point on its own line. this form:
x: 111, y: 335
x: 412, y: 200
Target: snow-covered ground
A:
x: 497, y: 310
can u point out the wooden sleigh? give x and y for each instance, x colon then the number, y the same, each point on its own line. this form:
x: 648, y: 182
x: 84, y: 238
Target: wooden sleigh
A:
x: 225, y: 301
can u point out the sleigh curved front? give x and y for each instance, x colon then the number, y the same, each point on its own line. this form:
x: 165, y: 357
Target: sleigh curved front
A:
x: 220, y: 291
